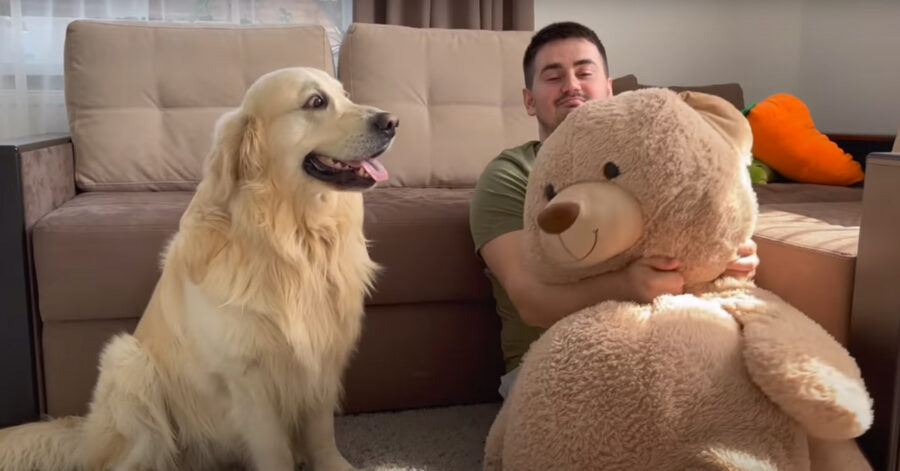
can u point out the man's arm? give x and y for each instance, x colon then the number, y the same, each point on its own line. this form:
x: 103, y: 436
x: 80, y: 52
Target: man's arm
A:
x: 540, y: 304
x: 496, y: 225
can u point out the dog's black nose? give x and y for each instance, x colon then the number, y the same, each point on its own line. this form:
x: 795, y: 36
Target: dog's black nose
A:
x: 386, y: 123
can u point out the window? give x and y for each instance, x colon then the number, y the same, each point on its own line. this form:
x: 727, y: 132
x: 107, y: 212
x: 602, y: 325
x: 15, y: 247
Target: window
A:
x: 32, y: 33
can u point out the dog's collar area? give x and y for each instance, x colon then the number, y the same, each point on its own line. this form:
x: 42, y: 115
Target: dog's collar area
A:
x: 356, y: 174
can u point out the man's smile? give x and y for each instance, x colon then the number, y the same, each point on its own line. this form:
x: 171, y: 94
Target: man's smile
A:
x: 572, y: 101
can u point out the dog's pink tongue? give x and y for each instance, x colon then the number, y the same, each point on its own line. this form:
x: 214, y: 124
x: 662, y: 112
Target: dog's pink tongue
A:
x: 375, y: 170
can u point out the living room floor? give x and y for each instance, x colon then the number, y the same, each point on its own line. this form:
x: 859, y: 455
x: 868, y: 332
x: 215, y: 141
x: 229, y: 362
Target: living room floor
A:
x: 438, y: 439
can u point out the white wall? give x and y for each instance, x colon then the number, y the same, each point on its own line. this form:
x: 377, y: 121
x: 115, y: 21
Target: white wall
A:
x: 841, y: 57
x: 850, y: 64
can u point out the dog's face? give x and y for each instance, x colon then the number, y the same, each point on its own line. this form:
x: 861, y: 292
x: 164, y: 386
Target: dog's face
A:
x: 308, y: 128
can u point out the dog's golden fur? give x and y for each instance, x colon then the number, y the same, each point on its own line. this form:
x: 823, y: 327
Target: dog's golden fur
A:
x: 239, y: 355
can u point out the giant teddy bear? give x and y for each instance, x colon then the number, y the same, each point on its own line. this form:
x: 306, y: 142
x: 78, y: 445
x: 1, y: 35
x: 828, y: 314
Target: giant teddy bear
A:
x: 724, y: 377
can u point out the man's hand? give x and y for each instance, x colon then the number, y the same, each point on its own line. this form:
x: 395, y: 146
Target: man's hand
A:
x: 744, y: 266
x: 649, y: 277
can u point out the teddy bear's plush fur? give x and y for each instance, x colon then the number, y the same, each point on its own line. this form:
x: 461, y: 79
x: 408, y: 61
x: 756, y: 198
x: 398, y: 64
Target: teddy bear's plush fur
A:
x: 724, y: 377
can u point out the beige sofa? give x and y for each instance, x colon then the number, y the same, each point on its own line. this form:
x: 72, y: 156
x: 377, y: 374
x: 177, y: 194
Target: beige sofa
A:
x: 89, y: 213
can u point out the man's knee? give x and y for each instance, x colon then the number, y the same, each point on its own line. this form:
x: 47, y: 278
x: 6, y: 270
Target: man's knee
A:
x: 507, y: 381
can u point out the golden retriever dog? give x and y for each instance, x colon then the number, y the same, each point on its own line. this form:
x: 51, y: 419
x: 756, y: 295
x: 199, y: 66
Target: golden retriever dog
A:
x: 239, y: 355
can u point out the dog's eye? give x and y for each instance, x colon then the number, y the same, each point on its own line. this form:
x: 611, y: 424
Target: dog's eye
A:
x: 549, y: 192
x: 315, y: 102
x: 611, y: 170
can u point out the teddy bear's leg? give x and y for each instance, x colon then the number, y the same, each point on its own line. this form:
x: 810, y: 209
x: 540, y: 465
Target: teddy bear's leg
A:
x: 493, y: 446
x: 836, y: 455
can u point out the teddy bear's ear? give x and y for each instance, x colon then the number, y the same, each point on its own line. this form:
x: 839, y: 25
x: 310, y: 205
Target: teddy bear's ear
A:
x: 724, y: 118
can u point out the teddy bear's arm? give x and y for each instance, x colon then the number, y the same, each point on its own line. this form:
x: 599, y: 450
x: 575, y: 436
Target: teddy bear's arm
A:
x: 800, y: 366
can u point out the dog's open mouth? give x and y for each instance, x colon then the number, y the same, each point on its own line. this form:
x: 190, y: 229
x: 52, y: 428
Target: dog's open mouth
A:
x: 357, y: 173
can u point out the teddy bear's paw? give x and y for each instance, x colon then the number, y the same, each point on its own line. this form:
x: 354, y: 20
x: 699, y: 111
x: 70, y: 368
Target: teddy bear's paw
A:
x: 799, y: 365
x: 826, y: 400
x: 749, y: 304
x: 777, y: 325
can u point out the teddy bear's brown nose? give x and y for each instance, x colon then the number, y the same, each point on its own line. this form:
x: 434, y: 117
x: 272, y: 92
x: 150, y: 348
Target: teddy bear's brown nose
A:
x: 558, y: 217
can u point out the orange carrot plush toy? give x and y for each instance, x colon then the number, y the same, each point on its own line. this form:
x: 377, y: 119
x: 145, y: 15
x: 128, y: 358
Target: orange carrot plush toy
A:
x: 785, y: 138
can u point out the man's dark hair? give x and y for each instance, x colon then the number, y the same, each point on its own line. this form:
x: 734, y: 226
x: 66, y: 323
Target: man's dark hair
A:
x: 555, y: 32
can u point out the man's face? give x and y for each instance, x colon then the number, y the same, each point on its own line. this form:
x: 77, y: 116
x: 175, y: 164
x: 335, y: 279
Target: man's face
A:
x: 567, y: 72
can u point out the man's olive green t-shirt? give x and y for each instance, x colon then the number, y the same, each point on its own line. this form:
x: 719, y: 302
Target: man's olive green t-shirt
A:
x: 496, y: 209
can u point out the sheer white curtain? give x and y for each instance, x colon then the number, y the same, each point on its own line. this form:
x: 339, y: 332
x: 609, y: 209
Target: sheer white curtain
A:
x: 32, y: 33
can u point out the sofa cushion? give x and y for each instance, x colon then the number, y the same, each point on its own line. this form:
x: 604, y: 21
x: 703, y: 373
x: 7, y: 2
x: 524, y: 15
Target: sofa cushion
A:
x: 807, y: 256
x: 71, y: 353
x: 97, y: 256
x: 142, y: 98
x: 830, y: 227
x: 421, y: 237
x: 458, y: 94
x: 404, y: 359
x: 777, y: 193
x: 625, y: 83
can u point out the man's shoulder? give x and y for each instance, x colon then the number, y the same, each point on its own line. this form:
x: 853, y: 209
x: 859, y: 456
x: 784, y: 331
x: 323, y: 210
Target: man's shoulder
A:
x: 496, y: 205
x: 517, y: 159
x: 525, y: 153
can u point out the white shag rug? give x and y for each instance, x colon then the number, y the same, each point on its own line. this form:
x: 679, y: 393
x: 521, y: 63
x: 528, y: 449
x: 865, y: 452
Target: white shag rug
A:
x: 439, y: 439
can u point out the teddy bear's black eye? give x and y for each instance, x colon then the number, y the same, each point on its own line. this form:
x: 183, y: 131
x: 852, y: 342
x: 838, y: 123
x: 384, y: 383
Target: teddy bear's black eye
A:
x: 549, y: 192
x: 611, y: 170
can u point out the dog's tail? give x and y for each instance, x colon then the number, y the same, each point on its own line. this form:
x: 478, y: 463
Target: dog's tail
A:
x: 48, y: 446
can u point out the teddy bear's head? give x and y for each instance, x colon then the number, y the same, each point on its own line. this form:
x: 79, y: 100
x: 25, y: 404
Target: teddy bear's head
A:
x: 645, y: 173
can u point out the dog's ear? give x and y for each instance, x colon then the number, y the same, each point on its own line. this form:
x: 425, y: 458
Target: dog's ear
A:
x: 251, y: 148
x: 237, y: 150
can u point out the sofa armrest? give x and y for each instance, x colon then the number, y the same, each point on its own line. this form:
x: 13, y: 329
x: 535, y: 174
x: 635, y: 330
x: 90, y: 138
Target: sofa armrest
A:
x: 875, y: 319
x: 36, y: 176
x: 47, y: 172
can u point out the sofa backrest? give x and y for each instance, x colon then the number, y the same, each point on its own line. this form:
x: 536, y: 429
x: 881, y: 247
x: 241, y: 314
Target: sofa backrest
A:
x: 142, y: 98
x: 458, y: 94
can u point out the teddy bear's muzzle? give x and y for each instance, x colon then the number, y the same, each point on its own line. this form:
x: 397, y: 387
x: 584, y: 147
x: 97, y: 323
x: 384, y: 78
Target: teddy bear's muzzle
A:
x: 556, y: 218
x: 588, y: 223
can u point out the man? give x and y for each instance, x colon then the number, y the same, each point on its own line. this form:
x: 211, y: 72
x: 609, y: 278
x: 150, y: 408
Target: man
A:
x: 565, y: 65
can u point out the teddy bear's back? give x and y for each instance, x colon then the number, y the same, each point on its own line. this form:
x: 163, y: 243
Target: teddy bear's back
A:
x: 621, y: 386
